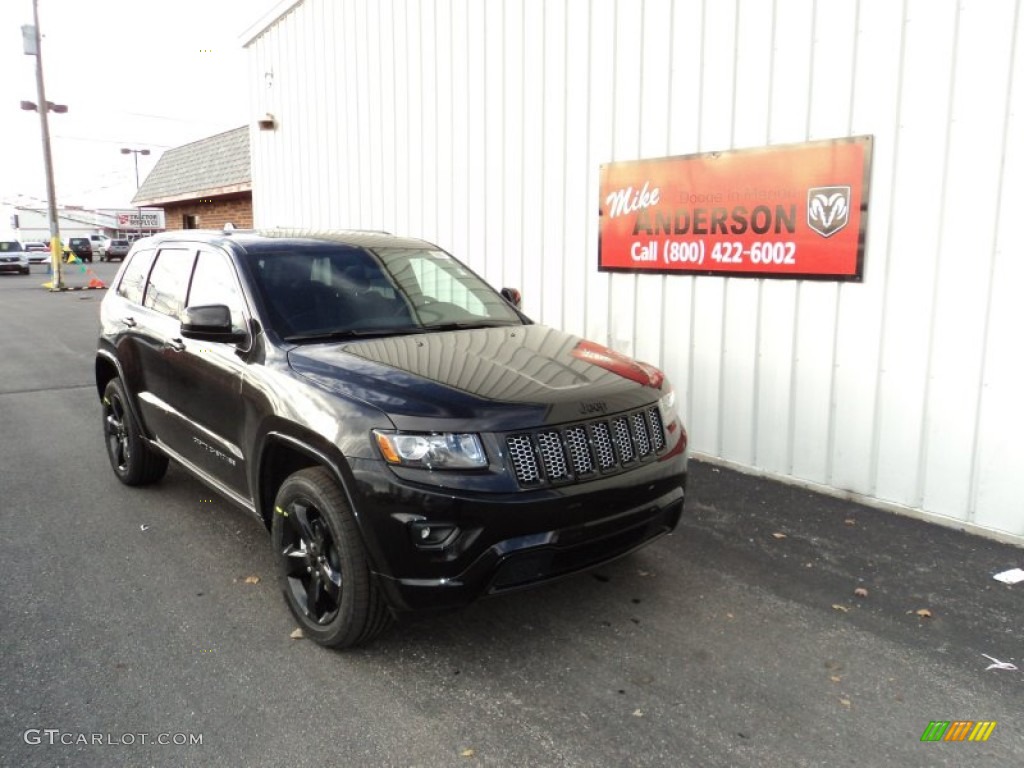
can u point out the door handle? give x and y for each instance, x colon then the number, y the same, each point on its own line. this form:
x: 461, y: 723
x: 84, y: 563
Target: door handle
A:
x: 176, y: 344
x: 129, y: 321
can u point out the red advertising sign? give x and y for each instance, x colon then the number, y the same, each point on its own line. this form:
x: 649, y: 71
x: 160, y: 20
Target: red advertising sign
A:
x: 795, y: 211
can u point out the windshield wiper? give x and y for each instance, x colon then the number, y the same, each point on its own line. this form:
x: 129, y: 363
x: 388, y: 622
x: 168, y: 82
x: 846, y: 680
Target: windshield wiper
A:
x: 371, y: 333
x: 349, y: 333
x: 464, y: 326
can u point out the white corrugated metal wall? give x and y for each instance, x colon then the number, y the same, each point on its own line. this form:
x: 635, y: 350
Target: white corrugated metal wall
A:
x: 482, y: 125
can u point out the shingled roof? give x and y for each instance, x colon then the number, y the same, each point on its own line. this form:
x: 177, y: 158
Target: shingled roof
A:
x: 216, y: 165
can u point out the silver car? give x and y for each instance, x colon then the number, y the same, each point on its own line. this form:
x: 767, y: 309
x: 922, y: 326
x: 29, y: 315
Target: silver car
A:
x: 13, y: 257
x: 115, y: 249
x: 38, y: 252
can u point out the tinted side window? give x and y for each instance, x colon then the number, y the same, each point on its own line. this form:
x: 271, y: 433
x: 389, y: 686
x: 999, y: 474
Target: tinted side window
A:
x: 214, y: 282
x: 133, y: 281
x: 168, y: 281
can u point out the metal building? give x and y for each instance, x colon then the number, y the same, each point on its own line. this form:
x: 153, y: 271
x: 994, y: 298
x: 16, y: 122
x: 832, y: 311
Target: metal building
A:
x: 482, y: 126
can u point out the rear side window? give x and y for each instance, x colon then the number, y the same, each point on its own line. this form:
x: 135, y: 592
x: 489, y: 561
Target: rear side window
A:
x: 168, y: 281
x: 133, y: 281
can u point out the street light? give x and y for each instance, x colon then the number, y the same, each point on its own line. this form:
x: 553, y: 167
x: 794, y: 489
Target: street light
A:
x: 31, y: 106
x: 136, y: 152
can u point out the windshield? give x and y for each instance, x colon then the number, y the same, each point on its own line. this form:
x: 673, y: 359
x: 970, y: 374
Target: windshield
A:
x: 333, y: 291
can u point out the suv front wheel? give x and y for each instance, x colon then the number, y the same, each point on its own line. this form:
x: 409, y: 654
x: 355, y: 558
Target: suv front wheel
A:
x: 325, y: 574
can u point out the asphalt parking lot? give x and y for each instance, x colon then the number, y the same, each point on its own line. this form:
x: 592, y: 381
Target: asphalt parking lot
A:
x: 129, y: 615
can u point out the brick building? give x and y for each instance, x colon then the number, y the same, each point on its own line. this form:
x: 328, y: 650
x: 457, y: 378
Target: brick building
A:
x: 203, y: 185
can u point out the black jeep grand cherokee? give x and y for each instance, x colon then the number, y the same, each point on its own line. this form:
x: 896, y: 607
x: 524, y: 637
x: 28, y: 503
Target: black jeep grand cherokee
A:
x: 409, y: 437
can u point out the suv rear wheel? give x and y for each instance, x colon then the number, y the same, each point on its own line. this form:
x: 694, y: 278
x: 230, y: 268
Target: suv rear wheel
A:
x: 326, y: 578
x: 134, y: 462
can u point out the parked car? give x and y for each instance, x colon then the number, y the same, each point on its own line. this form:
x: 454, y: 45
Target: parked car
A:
x: 81, y: 247
x: 13, y: 257
x: 38, y: 252
x: 99, y: 244
x: 410, y: 438
x: 115, y: 249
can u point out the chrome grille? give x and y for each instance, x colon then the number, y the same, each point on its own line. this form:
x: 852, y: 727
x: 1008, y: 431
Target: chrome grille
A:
x: 643, y: 442
x: 581, y: 451
x: 524, y: 462
x: 657, y: 429
x: 622, y: 442
x: 552, y: 456
x: 603, y: 446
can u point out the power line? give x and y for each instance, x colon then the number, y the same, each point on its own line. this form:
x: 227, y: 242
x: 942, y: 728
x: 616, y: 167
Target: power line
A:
x: 166, y: 117
x: 107, y: 141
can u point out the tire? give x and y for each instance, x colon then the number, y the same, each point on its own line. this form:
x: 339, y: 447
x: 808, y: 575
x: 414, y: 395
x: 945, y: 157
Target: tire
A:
x: 324, y: 571
x: 27, y: 271
x: 132, y: 460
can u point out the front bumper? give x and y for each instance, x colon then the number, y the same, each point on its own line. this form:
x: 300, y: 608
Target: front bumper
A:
x: 507, y: 542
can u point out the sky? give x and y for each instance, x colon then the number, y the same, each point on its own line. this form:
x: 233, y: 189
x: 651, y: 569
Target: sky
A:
x: 138, y: 74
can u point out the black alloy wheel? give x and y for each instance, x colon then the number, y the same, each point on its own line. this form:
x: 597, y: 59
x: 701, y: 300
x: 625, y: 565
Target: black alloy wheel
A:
x: 312, y: 565
x: 119, y: 448
x: 326, y: 579
x: 132, y: 460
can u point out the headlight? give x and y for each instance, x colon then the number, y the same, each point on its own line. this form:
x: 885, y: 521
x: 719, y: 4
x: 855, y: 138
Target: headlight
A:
x: 667, y: 403
x: 433, y: 451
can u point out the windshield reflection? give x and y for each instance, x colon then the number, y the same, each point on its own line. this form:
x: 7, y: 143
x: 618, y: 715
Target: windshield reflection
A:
x: 325, y: 292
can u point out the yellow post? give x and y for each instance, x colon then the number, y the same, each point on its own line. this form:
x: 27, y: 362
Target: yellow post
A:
x: 56, y: 258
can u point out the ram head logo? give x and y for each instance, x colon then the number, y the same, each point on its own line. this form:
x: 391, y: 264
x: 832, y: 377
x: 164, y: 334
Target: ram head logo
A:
x: 828, y: 209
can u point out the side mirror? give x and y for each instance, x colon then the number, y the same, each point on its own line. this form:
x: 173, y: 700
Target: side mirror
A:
x: 513, y: 297
x: 211, y: 322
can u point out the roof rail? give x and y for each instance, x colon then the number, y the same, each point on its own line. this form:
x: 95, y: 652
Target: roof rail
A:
x: 314, y: 230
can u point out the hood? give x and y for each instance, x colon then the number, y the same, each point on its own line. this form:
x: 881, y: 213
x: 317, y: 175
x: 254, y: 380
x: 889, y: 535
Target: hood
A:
x: 512, y: 377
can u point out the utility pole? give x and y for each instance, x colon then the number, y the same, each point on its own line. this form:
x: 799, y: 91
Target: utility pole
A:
x: 56, y: 253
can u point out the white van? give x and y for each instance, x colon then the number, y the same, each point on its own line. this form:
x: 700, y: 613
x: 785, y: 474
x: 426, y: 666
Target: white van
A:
x: 99, y: 244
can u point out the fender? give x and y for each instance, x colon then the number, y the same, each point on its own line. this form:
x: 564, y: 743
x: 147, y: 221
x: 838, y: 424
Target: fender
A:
x: 130, y: 397
x: 337, y: 467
